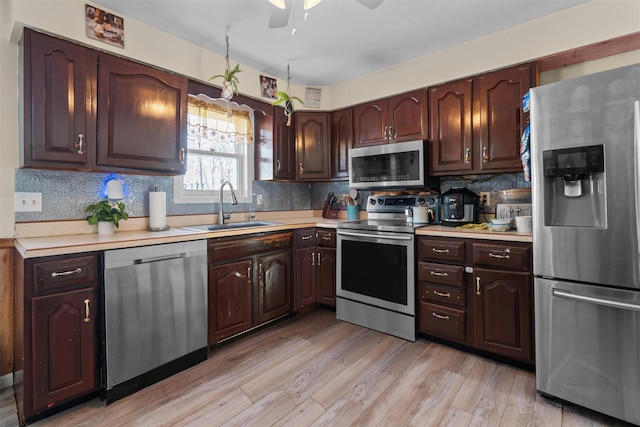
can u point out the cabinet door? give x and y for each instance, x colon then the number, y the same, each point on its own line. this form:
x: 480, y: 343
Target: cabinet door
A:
x: 326, y: 279
x: 341, y: 142
x: 284, y: 147
x: 64, y: 346
x: 229, y: 299
x: 370, y: 121
x: 408, y: 117
x: 312, y: 146
x: 142, y: 113
x: 451, y: 129
x: 274, y: 286
x: 305, y: 284
x: 503, y: 313
x: 56, y: 102
x: 502, y: 120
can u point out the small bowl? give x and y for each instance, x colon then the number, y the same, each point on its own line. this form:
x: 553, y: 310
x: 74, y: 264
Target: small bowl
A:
x: 499, y: 227
x: 501, y: 221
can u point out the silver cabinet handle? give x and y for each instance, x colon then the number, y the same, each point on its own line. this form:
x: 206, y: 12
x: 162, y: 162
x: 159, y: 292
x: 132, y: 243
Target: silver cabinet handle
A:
x: 183, y: 152
x: 478, y: 286
x: 467, y: 155
x: 87, y: 317
x: 440, y: 251
x: 318, y: 259
x: 485, y: 154
x: 278, y: 165
x: 301, y: 169
x: 66, y: 273
x: 599, y: 301
x: 499, y: 256
x: 438, y: 316
x: 326, y: 237
x: 313, y: 258
x: 307, y: 237
x: 80, y: 144
x: 439, y: 274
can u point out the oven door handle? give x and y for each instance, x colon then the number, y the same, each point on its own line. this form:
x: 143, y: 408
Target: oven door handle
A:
x: 374, y: 236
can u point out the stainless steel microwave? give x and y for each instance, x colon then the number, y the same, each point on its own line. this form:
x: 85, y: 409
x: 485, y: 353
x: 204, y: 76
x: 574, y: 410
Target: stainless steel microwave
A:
x: 401, y: 165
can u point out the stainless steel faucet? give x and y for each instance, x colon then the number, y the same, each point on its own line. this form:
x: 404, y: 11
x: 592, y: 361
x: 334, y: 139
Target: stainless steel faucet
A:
x: 221, y: 215
x: 251, y: 214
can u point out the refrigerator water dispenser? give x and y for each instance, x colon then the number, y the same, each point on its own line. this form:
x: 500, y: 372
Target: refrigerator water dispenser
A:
x: 574, y: 185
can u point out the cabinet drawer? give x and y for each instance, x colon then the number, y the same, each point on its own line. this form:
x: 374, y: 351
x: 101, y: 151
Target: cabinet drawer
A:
x: 442, y: 294
x: 441, y: 273
x: 502, y: 255
x: 306, y: 237
x: 327, y: 238
x: 450, y: 250
x: 64, y: 272
x: 442, y: 321
x: 236, y: 247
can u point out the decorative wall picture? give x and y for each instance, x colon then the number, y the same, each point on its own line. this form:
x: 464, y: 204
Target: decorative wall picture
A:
x: 268, y: 87
x: 104, y: 26
x: 312, y: 97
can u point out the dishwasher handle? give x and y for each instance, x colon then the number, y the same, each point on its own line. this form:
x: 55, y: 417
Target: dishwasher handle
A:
x: 160, y: 258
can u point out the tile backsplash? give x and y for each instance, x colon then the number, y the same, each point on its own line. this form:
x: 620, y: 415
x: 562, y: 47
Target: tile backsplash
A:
x: 65, y: 195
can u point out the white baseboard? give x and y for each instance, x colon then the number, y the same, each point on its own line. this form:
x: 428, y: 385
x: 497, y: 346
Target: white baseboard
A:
x: 6, y: 381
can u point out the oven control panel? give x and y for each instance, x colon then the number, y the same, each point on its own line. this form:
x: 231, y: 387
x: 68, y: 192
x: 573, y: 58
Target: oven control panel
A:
x: 399, y: 203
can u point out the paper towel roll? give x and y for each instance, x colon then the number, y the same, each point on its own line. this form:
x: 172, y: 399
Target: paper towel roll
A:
x: 157, y: 209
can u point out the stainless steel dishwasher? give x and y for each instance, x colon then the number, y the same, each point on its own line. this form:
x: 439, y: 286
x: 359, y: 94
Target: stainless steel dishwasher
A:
x: 155, y: 314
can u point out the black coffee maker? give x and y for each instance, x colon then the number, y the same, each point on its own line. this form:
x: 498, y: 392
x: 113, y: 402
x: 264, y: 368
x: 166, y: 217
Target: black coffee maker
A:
x: 458, y: 206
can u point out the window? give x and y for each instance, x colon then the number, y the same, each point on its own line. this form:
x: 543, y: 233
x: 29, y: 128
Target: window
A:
x: 219, y: 148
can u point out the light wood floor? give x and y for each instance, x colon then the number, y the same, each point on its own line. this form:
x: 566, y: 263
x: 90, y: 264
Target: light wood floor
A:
x: 315, y: 370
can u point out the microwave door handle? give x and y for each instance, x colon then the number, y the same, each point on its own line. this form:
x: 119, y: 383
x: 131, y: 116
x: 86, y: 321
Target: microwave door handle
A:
x: 636, y: 137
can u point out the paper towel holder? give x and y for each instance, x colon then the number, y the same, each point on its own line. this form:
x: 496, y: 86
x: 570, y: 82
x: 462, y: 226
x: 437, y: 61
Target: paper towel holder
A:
x: 155, y: 189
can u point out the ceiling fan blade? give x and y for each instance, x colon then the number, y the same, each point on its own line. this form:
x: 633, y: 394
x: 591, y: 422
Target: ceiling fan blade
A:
x: 371, y: 4
x: 279, y: 18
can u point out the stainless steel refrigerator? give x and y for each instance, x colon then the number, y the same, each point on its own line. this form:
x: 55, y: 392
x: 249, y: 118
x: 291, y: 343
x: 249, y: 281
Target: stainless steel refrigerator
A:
x: 585, y: 134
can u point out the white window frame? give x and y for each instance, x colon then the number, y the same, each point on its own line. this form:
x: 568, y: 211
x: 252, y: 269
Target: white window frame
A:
x: 245, y: 170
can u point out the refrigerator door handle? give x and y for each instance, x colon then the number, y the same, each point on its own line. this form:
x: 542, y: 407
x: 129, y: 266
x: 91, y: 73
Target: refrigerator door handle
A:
x: 636, y: 138
x: 599, y: 301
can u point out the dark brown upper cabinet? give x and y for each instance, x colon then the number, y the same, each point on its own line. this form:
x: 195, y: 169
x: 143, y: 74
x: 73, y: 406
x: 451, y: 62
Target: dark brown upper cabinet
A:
x: 396, y: 119
x: 312, y: 146
x: 476, y: 124
x: 87, y: 110
x: 57, y: 85
x: 341, y: 142
x: 141, y: 114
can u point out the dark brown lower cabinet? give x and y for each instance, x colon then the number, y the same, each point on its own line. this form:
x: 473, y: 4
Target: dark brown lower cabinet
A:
x: 477, y: 293
x: 315, y: 267
x: 503, y: 313
x: 274, y: 286
x: 56, y: 335
x: 230, y: 291
x: 250, y: 282
x: 326, y: 275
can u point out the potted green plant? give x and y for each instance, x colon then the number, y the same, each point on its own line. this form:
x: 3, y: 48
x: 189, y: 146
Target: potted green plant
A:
x: 284, y: 97
x: 107, y: 215
x: 229, y: 81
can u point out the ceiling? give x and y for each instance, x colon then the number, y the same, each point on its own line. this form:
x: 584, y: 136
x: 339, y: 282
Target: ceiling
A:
x: 340, y: 39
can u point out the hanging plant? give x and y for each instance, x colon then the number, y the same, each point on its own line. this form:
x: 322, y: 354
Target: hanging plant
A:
x: 229, y: 79
x: 284, y: 97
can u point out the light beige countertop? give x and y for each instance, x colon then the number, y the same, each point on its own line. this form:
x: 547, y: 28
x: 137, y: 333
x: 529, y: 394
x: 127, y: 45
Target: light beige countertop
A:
x: 68, y: 237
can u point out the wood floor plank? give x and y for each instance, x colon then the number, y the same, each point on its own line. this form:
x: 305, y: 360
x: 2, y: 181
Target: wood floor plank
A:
x: 547, y: 412
x: 215, y: 413
x: 495, y: 397
x: 305, y: 414
x: 473, y: 388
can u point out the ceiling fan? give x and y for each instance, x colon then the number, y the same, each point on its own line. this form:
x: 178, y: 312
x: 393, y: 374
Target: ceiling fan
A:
x: 280, y: 16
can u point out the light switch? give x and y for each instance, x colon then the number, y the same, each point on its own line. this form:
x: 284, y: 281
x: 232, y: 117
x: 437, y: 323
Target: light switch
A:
x: 28, y: 202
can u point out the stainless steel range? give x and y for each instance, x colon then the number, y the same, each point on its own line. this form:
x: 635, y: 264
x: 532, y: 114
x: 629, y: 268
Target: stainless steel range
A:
x: 376, y: 266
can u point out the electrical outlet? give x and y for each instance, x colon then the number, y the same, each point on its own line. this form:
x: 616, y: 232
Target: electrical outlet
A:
x: 259, y: 200
x: 28, y: 202
x: 485, y: 198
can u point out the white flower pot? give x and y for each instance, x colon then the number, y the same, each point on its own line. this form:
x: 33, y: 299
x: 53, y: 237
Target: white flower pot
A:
x: 106, y: 227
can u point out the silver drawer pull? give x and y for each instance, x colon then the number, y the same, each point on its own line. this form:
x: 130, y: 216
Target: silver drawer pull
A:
x: 307, y: 237
x: 66, y: 273
x: 437, y: 316
x: 326, y: 237
x: 440, y: 251
x: 442, y: 294
x: 439, y: 274
x: 499, y: 256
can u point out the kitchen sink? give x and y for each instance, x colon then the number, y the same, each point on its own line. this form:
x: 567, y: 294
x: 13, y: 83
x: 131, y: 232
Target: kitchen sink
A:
x: 229, y: 226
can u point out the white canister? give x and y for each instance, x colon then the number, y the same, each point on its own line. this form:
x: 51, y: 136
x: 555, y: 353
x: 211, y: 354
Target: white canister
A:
x: 420, y: 215
x: 524, y: 224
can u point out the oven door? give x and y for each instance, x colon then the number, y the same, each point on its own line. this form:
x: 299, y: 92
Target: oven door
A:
x: 377, y: 268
